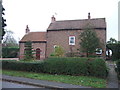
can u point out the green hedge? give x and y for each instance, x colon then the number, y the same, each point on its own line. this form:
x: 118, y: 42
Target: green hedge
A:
x: 115, y: 50
x: 10, y: 52
x: 66, y: 66
x: 76, y: 66
x: 22, y: 66
x: 118, y: 68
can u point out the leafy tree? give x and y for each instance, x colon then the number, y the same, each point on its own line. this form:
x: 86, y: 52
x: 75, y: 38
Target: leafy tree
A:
x: 9, y: 40
x: 111, y: 41
x: 89, y: 41
x: 28, y: 51
x: 114, y: 45
x: 3, y: 22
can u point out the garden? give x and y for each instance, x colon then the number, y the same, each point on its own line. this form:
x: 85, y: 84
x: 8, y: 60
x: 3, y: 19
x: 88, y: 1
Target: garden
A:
x: 86, y: 71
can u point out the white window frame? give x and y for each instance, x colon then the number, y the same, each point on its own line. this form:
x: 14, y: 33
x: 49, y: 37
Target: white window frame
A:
x: 99, y: 52
x: 72, y: 41
x: 55, y: 46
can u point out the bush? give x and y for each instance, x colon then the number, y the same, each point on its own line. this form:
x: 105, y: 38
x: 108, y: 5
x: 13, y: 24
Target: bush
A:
x: 23, y: 66
x: 76, y: 66
x: 118, y: 68
x: 67, y: 66
x: 97, y: 67
x: 10, y: 52
x: 58, y: 51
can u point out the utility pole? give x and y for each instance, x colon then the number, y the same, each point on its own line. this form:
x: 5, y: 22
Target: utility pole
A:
x: 119, y: 21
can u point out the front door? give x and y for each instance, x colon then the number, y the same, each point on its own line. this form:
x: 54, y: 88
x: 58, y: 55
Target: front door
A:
x: 38, y: 54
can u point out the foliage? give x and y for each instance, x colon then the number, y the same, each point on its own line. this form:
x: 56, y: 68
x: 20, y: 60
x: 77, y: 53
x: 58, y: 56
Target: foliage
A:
x: 23, y: 66
x: 111, y: 41
x: 67, y: 66
x: 74, y: 54
x: 28, y: 51
x: 76, y: 66
x: 10, y: 52
x: 118, y: 68
x: 3, y: 22
x: 75, y: 80
x: 114, y: 45
x: 89, y: 41
x: 58, y: 51
x: 9, y: 40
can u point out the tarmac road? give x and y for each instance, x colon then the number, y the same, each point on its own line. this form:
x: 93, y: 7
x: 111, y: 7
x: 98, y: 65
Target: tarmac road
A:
x: 6, y: 84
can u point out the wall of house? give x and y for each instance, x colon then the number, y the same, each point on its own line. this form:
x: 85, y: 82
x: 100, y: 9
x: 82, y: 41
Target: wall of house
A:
x: 41, y: 46
x: 61, y: 38
x: 102, y: 36
x: 21, y: 54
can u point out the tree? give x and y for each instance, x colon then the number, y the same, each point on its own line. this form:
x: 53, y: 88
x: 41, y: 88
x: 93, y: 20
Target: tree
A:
x: 111, y: 41
x: 114, y: 46
x: 28, y: 51
x: 9, y: 40
x: 3, y: 22
x: 89, y: 41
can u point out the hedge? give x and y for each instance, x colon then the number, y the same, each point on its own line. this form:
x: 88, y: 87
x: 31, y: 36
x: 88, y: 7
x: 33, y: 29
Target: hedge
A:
x: 115, y: 50
x: 10, y: 52
x: 118, y: 68
x: 66, y: 66
x: 22, y: 66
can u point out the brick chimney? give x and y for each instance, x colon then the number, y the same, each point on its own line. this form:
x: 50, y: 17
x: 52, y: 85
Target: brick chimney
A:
x: 53, y: 19
x: 89, y: 15
x: 27, y: 30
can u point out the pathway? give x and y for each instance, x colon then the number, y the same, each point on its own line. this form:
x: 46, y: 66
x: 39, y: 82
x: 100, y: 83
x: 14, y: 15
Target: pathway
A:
x: 112, y: 76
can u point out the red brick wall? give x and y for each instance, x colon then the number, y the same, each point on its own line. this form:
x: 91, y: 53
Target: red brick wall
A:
x: 61, y: 38
x: 41, y: 46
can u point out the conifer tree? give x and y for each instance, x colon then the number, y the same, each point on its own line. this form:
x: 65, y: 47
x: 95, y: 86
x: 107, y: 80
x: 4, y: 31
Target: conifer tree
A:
x: 28, y: 51
x: 89, y: 41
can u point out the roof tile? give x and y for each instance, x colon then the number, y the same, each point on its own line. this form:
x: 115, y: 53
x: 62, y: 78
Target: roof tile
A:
x: 77, y: 24
x: 34, y: 36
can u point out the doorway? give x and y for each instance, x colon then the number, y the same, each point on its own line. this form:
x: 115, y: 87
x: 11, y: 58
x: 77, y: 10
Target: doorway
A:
x: 38, y: 53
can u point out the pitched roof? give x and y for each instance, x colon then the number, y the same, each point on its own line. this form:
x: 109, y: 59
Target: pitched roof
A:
x: 34, y: 37
x: 77, y: 24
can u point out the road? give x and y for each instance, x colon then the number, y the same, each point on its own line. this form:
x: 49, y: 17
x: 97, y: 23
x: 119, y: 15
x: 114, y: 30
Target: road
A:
x: 6, y: 84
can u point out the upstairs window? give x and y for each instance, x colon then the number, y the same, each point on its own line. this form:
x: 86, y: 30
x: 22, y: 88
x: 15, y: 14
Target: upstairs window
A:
x: 71, y: 40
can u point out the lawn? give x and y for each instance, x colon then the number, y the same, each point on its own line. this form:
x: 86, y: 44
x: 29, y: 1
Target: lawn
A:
x: 75, y: 80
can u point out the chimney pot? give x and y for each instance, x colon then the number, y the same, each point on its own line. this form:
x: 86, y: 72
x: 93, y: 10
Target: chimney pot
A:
x: 53, y: 19
x: 89, y: 15
x: 27, y: 29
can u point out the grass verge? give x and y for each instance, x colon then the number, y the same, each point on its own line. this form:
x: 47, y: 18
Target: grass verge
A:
x: 75, y: 80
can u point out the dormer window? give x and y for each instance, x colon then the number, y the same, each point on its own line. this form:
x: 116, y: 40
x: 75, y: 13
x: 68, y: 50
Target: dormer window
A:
x: 71, y: 40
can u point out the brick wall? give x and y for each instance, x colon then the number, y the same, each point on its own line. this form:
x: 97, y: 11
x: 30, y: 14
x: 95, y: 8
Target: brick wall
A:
x: 61, y: 38
x: 41, y: 46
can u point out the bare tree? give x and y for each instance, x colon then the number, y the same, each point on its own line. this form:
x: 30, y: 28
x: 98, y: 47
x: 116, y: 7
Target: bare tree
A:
x: 9, y: 40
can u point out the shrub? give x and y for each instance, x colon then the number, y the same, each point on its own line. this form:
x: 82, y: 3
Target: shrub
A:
x: 58, y: 51
x: 23, y: 66
x: 67, y: 66
x: 97, y: 67
x: 28, y: 51
x: 10, y: 52
x: 76, y: 66
x: 63, y: 66
x: 118, y: 68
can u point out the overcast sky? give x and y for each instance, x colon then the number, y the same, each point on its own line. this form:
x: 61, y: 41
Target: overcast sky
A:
x: 37, y: 14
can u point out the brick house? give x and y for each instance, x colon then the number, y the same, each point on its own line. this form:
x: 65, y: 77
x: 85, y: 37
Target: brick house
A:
x: 38, y: 40
x: 65, y: 34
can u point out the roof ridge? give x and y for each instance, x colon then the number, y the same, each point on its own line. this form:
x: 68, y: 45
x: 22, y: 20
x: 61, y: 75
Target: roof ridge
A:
x: 37, y: 32
x: 79, y: 19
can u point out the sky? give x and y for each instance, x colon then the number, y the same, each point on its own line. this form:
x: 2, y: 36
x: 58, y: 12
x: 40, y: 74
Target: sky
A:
x: 37, y: 14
